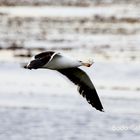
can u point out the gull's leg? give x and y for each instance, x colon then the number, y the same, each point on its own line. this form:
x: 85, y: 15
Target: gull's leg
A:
x: 87, y: 64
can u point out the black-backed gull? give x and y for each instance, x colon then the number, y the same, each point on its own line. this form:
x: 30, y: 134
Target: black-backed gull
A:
x: 68, y: 67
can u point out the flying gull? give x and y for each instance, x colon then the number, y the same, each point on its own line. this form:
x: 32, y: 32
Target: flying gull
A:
x: 68, y: 67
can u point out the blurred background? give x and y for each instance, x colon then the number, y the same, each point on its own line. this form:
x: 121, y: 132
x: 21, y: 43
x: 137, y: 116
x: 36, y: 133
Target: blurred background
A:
x: 42, y: 104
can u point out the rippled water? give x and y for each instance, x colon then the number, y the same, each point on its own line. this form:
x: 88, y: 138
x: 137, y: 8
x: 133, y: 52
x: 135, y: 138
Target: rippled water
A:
x: 100, y: 29
x: 77, y: 123
x: 40, y: 105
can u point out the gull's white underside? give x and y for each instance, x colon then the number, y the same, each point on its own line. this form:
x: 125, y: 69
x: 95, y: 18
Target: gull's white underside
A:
x: 59, y: 61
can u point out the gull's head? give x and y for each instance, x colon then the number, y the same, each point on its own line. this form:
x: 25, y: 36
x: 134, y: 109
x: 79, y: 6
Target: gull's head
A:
x: 39, y: 60
x: 34, y: 64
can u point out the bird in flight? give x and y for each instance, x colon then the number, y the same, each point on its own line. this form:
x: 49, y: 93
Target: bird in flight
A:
x: 70, y: 68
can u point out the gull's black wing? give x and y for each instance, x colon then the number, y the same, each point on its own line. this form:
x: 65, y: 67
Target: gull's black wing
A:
x: 85, y: 86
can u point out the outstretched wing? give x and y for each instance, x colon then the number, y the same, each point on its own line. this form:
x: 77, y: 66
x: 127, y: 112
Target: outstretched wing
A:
x: 85, y: 86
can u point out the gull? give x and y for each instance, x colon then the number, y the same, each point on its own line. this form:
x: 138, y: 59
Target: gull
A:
x: 69, y: 67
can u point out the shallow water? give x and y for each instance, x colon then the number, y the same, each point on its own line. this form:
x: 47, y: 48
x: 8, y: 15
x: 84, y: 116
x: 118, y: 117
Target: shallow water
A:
x: 43, y: 105
x: 64, y: 123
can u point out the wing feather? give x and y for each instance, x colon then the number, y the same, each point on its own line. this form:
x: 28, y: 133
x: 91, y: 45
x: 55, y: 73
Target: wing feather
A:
x: 85, y: 86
